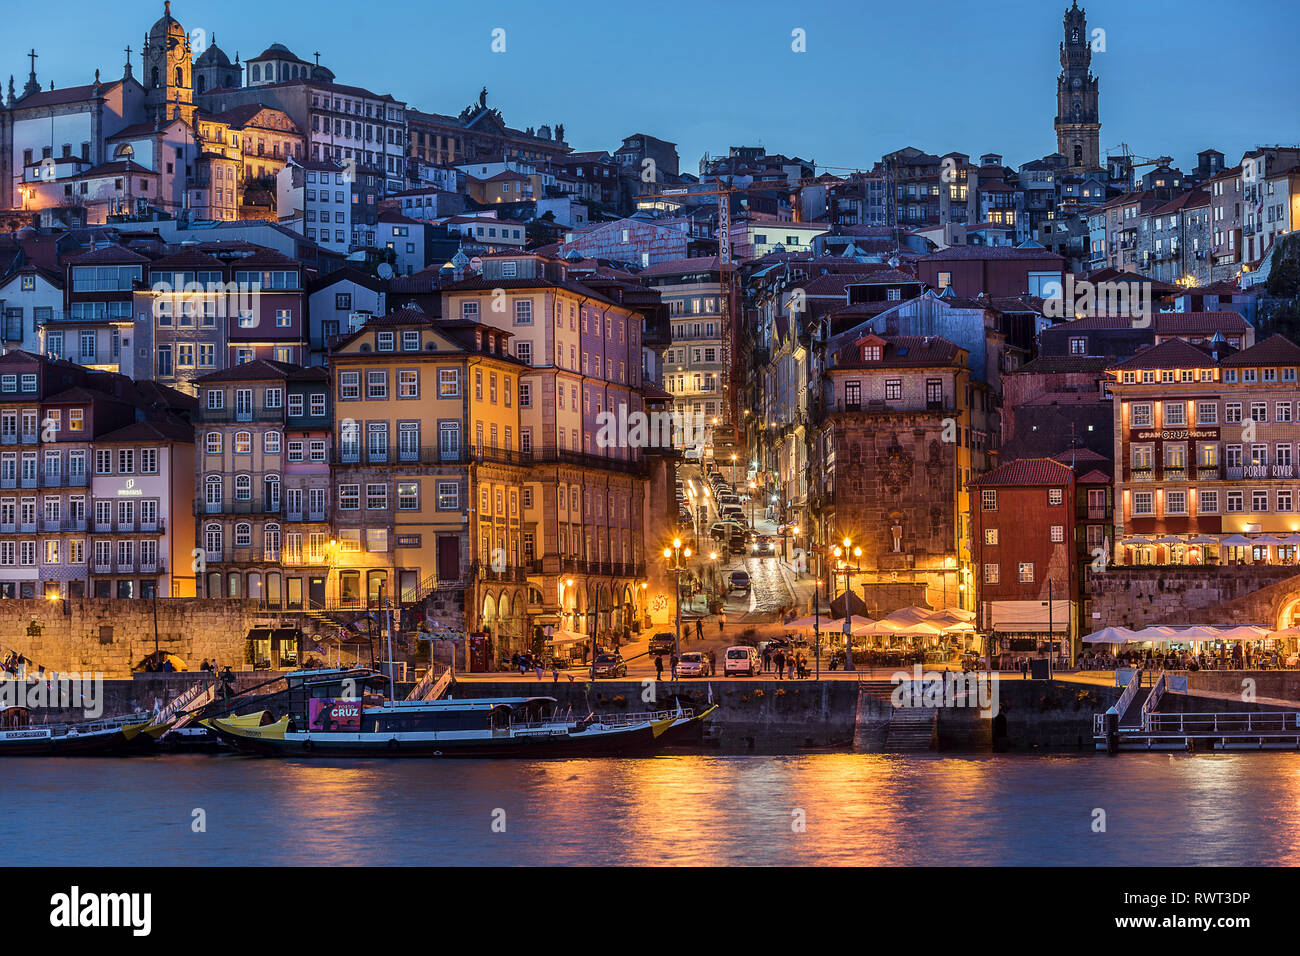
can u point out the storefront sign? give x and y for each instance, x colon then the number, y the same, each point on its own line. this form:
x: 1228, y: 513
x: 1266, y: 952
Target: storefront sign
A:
x: 1199, y: 434
x: 342, y: 713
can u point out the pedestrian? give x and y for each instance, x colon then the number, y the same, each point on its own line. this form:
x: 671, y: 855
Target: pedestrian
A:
x: 672, y: 661
x: 659, y: 667
x: 555, y: 673
x: 790, y: 662
x: 514, y: 660
x: 699, y: 629
x: 539, y: 670
x: 767, y: 659
x: 722, y: 619
x: 780, y: 664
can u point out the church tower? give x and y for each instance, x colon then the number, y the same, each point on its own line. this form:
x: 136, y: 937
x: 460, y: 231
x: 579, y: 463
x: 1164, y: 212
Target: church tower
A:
x: 167, y: 79
x: 1078, y: 126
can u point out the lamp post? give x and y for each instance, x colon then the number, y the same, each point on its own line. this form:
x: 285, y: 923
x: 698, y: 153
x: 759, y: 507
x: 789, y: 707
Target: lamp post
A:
x: 753, y: 490
x: 842, y: 554
x: 676, y: 556
x: 733, y: 469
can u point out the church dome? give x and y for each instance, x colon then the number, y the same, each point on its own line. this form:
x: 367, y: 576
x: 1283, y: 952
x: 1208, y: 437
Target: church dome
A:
x: 213, y: 56
x: 167, y: 26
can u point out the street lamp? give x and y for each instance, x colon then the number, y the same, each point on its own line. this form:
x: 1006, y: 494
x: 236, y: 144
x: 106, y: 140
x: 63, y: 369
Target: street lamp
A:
x: 753, y: 490
x: 842, y: 554
x: 733, y: 469
x: 676, y: 556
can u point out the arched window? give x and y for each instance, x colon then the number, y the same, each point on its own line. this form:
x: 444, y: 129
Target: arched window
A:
x: 243, y: 534
x: 271, y: 488
x: 257, y: 72
x: 243, y: 443
x: 243, y: 488
x: 271, y: 543
x: 1078, y: 155
x: 203, y: 83
x: 255, y: 585
x: 212, y: 443
x: 232, y: 586
x: 274, y: 595
x: 212, y: 544
x: 154, y: 78
x: 212, y: 492
x: 214, y: 584
x: 180, y: 77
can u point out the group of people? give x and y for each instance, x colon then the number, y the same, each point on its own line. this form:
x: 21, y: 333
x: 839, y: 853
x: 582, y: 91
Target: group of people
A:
x: 777, y: 660
x: 1237, y: 659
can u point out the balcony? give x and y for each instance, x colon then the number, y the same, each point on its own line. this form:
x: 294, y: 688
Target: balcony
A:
x: 1175, y: 474
x: 1208, y: 473
x: 1283, y: 471
x: 1238, y: 472
x: 1142, y: 474
x: 232, y: 416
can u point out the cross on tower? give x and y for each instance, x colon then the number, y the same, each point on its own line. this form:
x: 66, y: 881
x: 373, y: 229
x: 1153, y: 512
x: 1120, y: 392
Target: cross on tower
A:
x: 316, y: 54
x: 128, y: 54
x: 32, y: 56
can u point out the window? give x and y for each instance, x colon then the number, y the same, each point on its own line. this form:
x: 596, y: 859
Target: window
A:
x: 349, y: 385
x: 1026, y: 572
x: 893, y: 389
x: 408, y: 383
x: 1055, y: 496
x: 1207, y: 413
x: 990, y: 574
x: 408, y: 496
x: 243, y: 443
x: 1144, y: 503
x: 1058, y: 533
x: 448, y: 496
x: 449, y: 383
x: 1175, y: 502
x: 271, y: 443
x: 1208, y: 502
x: 523, y: 312
x: 1141, y: 414
x: 376, y: 497
x: 1235, y: 501
x: 1175, y: 414
x: 1258, y: 501
x: 989, y: 500
x: 376, y: 385
x: 349, y: 497
x: 991, y: 536
x: 212, y: 443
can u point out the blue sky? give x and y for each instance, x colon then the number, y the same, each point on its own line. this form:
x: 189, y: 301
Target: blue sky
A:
x: 940, y: 75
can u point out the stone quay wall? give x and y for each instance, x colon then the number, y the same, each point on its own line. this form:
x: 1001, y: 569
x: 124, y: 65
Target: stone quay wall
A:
x: 1227, y: 595
x: 112, y: 636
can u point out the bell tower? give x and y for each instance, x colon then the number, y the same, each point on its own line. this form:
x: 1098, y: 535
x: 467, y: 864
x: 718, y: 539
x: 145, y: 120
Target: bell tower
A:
x: 1078, y: 124
x: 168, y: 70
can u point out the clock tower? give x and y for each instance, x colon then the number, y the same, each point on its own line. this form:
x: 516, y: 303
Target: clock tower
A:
x: 1078, y: 126
x: 168, y: 66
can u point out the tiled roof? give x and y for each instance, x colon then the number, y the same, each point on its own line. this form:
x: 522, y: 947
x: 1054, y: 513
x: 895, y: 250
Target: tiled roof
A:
x: 1094, y: 477
x: 1079, y: 454
x: 989, y: 252
x: 110, y: 254
x: 1172, y: 353
x: 682, y: 266
x: 1059, y: 364
x: 187, y: 258
x: 1163, y: 323
x: 1274, y: 350
x: 901, y: 351
x: 1025, y: 471
x: 150, y: 431
x: 263, y: 369
x: 69, y: 94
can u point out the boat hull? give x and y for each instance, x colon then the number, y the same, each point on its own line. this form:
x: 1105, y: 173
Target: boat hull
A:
x: 642, y: 739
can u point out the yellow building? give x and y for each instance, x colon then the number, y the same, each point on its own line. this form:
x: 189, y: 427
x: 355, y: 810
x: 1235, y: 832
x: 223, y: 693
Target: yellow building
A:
x: 427, y: 474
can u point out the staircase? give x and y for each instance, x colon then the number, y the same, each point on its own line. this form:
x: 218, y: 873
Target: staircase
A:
x: 911, y: 729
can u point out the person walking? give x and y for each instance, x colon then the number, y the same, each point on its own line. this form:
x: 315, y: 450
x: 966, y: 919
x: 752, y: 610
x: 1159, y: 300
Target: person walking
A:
x: 659, y: 667
x: 767, y: 659
x: 780, y: 664
x: 672, y: 663
x: 722, y: 619
x: 699, y: 629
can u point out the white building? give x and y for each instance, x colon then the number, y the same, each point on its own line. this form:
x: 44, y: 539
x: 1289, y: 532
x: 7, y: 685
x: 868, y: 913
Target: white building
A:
x: 316, y: 199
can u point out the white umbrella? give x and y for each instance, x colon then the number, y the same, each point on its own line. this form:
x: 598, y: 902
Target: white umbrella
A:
x: 1170, y: 539
x: 1203, y: 539
x: 920, y: 629
x: 1287, y: 632
x: 1291, y: 539
x: 814, y: 622
x: 960, y: 627
x: 1109, y: 635
x: 1246, y: 632
x: 1134, y: 542
x: 1269, y: 539
x: 1155, y: 634
x: 1237, y: 541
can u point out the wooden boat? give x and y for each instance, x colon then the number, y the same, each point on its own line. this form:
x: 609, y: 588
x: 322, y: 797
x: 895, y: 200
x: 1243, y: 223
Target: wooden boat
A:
x: 20, y: 737
x: 474, y: 727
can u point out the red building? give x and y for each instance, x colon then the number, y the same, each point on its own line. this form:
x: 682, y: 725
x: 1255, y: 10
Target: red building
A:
x: 992, y: 270
x: 1023, y: 540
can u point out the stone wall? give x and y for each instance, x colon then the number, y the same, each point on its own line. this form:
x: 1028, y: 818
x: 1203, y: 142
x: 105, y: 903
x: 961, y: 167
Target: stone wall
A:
x: 1136, y: 597
x: 113, y: 636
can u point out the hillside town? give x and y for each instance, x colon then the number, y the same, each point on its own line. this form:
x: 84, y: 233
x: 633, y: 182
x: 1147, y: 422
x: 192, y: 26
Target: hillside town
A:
x: 276, y: 341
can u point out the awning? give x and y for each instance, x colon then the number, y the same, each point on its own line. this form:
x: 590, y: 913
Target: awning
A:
x: 259, y: 634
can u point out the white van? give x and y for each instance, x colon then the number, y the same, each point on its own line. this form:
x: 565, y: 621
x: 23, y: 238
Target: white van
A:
x: 741, y: 660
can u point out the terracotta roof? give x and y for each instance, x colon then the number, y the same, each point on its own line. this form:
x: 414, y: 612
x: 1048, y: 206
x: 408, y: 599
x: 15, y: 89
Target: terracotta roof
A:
x: 69, y: 94
x: 111, y: 254
x: 1059, y: 364
x: 682, y: 266
x: 1079, y: 454
x: 1094, y: 477
x: 1274, y: 350
x: 150, y: 431
x: 1172, y: 353
x: 187, y: 258
x: 1025, y: 471
x: 901, y: 351
x: 265, y: 369
x: 989, y: 252
x: 1163, y: 323
x: 238, y: 117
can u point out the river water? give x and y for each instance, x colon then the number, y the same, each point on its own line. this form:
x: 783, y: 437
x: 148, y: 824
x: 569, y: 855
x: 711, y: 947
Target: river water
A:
x: 811, y: 809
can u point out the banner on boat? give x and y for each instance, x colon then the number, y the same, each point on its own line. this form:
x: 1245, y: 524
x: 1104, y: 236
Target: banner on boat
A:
x: 334, y: 713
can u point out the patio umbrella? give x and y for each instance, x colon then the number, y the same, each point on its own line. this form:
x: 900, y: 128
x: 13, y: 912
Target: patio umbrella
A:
x: 1109, y: 635
x: 1134, y: 542
x: 960, y: 627
x: 1170, y: 539
x: 1269, y: 539
x: 920, y: 629
x: 1203, y: 539
x: 909, y: 615
x: 1237, y: 541
x: 1246, y: 632
x: 1291, y: 539
x: 814, y: 622
x: 1156, y: 634
x: 856, y: 623
x: 1287, y: 632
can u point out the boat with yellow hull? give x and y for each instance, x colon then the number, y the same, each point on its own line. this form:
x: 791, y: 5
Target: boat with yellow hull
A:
x: 482, y: 727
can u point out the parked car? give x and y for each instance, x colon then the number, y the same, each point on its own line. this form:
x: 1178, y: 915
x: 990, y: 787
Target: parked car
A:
x: 694, y: 664
x: 739, y: 581
x: 741, y: 660
x: 662, y: 643
x: 610, y: 665
x: 737, y: 543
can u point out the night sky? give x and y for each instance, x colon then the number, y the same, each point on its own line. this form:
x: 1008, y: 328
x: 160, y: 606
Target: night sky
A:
x: 940, y: 75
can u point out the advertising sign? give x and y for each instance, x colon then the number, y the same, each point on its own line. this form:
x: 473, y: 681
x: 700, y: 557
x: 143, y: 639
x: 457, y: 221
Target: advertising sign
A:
x: 334, y: 713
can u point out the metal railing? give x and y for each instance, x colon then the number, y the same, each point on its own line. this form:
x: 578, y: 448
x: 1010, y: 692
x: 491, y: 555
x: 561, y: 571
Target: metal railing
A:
x: 1153, y: 699
x: 1126, y: 698
x: 1231, y: 724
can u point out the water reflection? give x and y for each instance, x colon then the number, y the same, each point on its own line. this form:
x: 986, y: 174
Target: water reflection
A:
x: 818, y: 809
